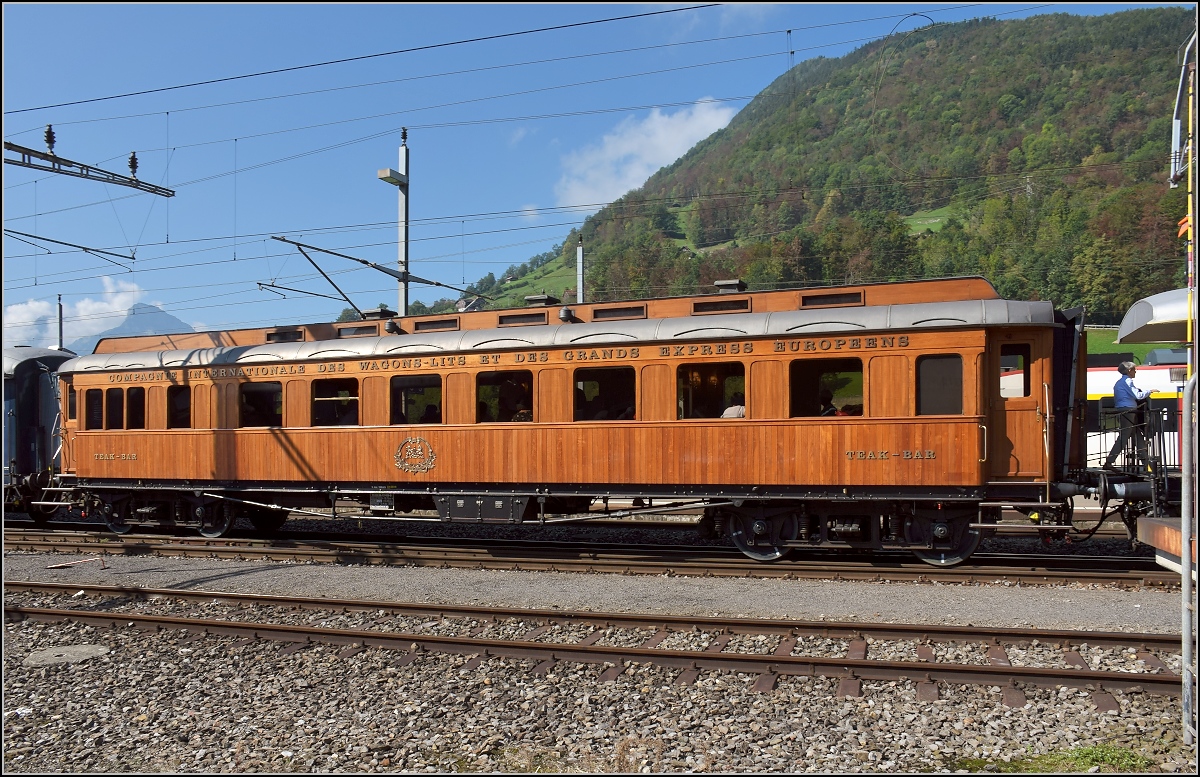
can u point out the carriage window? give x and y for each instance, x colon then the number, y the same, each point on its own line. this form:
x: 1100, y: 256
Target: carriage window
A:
x: 93, y: 408
x: 261, y: 404
x: 135, y: 408
x: 504, y: 396
x: 939, y: 384
x: 114, y: 408
x: 179, y: 407
x: 707, y: 390
x: 826, y: 387
x: 417, y: 399
x: 605, y: 394
x: 71, y: 403
x: 335, y: 402
x: 1014, y: 370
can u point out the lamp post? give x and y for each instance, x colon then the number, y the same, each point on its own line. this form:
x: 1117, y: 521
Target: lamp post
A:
x: 399, y: 179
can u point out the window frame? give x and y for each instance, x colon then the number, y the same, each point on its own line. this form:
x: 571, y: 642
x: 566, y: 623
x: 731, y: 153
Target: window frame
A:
x: 928, y: 358
x: 242, y: 390
x: 1025, y: 352
x: 576, y: 379
x: 319, y: 410
x: 130, y: 393
x: 172, y: 412
x: 114, y: 421
x: 93, y: 396
x: 434, y: 381
x: 814, y: 363
x: 526, y: 398
x: 685, y: 408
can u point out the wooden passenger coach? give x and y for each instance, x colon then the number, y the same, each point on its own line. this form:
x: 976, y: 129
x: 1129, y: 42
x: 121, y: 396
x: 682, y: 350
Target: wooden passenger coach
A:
x: 871, y: 416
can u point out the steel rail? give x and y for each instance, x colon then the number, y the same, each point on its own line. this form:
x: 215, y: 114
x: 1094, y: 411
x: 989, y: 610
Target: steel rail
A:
x: 828, y: 629
x: 655, y: 561
x: 769, y: 667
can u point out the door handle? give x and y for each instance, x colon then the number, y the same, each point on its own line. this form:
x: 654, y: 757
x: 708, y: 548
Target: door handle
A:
x: 985, y: 444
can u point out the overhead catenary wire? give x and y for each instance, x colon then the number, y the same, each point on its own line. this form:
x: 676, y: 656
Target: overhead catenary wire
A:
x: 638, y: 203
x: 470, y: 70
x: 409, y: 50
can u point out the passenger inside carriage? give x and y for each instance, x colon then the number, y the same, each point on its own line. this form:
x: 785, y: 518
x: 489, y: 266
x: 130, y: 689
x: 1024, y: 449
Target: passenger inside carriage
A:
x: 432, y: 415
x: 827, y: 407
x: 737, y: 406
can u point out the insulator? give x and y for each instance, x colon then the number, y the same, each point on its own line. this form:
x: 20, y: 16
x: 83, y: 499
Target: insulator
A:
x: 50, y: 138
x: 133, y: 163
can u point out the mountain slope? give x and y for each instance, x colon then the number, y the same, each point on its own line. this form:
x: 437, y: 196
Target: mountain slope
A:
x: 141, y: 319
x: 1040, y: 143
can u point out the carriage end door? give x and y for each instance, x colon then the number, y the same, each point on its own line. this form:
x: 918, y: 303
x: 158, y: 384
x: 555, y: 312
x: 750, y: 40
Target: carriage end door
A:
x: 1017, y: 424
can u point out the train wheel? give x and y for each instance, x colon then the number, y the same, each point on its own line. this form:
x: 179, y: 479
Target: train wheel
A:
x: 754, y: 536
x: 216, y: 520
x: 116, y: 519
x: 960, y: 541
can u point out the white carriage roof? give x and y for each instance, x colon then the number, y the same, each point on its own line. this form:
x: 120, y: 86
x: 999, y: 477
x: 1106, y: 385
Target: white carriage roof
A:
x: 1160, y: 318
x: 874, y: 319
x: 15, y: 356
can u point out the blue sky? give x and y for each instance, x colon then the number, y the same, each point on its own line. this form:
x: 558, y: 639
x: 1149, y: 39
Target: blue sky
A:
x: 513, y: 141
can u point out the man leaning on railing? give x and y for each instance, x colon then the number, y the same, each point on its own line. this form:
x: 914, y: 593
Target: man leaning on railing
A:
x: 1126, y: 397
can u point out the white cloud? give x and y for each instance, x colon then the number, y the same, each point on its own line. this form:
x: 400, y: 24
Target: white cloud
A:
x: 517, y: 136
x: 36, y: 322
x: 634, y: 150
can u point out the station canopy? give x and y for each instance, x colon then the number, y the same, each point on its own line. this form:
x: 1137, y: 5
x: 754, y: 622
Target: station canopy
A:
x: 1160, y: 318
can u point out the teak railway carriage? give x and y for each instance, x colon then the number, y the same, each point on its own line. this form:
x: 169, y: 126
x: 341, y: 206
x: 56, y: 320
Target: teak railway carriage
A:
x: 857, y: 417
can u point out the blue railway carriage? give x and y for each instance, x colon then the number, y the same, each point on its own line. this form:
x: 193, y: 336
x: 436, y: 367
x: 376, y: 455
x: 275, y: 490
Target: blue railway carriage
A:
x: 32, y: 429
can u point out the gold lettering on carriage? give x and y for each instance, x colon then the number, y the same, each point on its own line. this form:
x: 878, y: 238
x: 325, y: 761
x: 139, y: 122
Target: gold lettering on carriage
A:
x: 600, y: 354
x: 114, y: 456
x: 417, y: 363
x: 143, y: 377
x: 914, y: 453
x: 840, y: 344
x: 701, y: 349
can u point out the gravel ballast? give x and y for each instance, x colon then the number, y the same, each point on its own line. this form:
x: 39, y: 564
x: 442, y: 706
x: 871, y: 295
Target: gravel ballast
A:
x: 158, y: 702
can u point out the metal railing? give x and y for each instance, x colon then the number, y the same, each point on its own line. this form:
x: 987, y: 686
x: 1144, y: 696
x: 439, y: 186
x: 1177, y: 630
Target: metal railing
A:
x: 1154, y: 443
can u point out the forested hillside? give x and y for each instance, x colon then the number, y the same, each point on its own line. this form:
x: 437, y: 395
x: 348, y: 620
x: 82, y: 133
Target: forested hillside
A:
x: 1031, y: 152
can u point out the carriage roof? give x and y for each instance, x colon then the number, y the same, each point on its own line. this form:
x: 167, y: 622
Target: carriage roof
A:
x: 868, y: 319
x: 15, y: 356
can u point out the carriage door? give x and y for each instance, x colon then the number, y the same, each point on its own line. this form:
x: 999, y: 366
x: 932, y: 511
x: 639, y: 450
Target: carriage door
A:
x: 1016, y: 401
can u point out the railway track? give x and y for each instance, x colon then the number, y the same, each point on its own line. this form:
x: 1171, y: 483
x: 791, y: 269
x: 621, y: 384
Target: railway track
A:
x: 850, y: 651
x: 525, y: 555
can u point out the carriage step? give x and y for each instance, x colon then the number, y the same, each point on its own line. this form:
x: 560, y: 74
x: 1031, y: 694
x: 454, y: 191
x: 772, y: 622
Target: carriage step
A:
x: 1000, y: 528
x: 1019, y: 504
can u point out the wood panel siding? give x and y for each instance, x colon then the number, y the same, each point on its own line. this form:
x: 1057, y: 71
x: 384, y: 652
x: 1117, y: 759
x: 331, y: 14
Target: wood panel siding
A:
x: 458, y: 398
x: 891, y: 386
x: 766, y: 390
x: 297, y: 404
x: 201, y: 406
x: 657, y: 393
x: 842, y: 452
x: 374, y: 403
x: 156, y: 407
x: 553, y: 396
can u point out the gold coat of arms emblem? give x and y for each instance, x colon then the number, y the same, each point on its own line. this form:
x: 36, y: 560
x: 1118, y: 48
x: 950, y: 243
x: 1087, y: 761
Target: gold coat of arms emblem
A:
x: 415, y: 455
